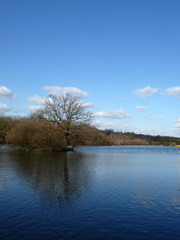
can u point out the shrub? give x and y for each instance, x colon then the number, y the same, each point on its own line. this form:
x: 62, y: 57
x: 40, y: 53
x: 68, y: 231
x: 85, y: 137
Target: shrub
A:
x: 36, y: 135
x: 6, y: 123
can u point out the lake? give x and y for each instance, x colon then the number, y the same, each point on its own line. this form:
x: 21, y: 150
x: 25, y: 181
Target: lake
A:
x: 123, y: 192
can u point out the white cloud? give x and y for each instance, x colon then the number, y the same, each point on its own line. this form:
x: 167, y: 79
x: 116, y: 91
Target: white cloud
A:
x: 141, y: 108
x: 41, y: 100
x: 33, y: 108
x: 58, y: 91
x: 115, y: 114
x: 6, y: 93
x: 118, y: 127
x: 176, y: 128
x: 88, y: 105
x: 4, y: 108
x: 110, y: 125
x: 37, y: 99
x: 96, y: 123
x: 145, y: 92
x: 159, y: 117
x: 177, y: 125
x: 174, y: 91
x: 147, y: 116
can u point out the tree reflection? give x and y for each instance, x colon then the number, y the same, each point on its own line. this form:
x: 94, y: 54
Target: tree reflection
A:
x: 58, y: 178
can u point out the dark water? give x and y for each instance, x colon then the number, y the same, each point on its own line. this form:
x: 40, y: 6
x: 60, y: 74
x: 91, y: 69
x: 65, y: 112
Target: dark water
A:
x: 93, y: 193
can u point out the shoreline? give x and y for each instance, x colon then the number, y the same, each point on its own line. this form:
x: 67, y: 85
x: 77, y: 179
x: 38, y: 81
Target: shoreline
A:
x: 12, y: 147
x: 68, y: 149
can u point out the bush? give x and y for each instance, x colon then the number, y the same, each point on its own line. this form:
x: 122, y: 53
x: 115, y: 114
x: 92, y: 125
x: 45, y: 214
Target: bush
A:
x: 87, y: 135
x: 6, y: 123
x: 36, y: 135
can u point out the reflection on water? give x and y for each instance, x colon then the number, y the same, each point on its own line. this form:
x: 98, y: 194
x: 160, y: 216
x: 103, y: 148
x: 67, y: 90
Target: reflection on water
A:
x: 55, y: 177
x: 93, y: 193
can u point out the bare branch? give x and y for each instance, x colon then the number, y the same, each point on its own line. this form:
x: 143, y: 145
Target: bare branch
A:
x: 66, y: 111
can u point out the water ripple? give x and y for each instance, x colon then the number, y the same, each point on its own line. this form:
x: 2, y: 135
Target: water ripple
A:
x: 93, y: 193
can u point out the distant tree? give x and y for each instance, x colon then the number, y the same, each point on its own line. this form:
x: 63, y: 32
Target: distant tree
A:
x: 67, y: 112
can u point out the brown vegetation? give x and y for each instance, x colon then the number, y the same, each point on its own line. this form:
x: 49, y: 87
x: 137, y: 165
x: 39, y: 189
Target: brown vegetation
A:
x: 36, y: 135
x: 130, y: 138
x: 66, y: 112
x: 91, y: 136
x: 41, y: 134
x: 6, y: 123
x: 65, y: 121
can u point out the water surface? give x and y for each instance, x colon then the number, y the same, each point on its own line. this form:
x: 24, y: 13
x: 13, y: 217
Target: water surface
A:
x: 126, y: 192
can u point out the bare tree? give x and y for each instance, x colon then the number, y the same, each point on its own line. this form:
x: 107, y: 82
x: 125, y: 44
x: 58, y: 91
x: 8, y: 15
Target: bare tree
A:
x: 67, y: 112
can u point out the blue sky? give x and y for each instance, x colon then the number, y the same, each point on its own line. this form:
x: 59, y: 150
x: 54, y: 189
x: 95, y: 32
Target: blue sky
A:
x: 121, y: 56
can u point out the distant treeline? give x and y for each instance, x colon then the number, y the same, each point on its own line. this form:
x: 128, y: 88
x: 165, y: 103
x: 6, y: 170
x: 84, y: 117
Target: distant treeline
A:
x: 34, y: 133
x: 131, y: 138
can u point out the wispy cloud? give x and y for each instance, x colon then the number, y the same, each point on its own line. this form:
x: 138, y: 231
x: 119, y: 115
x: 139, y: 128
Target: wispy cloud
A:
x: 176, y: 127
x: 145, y: 92
x: 111, y: 125
x: 6, y: 93
x: 115, y: 114
x: 41, y: 100
x: 88, y: 104
x: 97, y: 123
x: 174, y: 91
x: 58, y: 91
x: 37, y: 99
x: 34, y: 108
x: 149, y: 117
x: 126, y: 128
x: 141, y: 108
x: 4, y: 108
x: 159, y: 117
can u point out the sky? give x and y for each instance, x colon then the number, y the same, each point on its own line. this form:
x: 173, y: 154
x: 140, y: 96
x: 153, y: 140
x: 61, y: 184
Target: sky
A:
x: 122, y: 57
